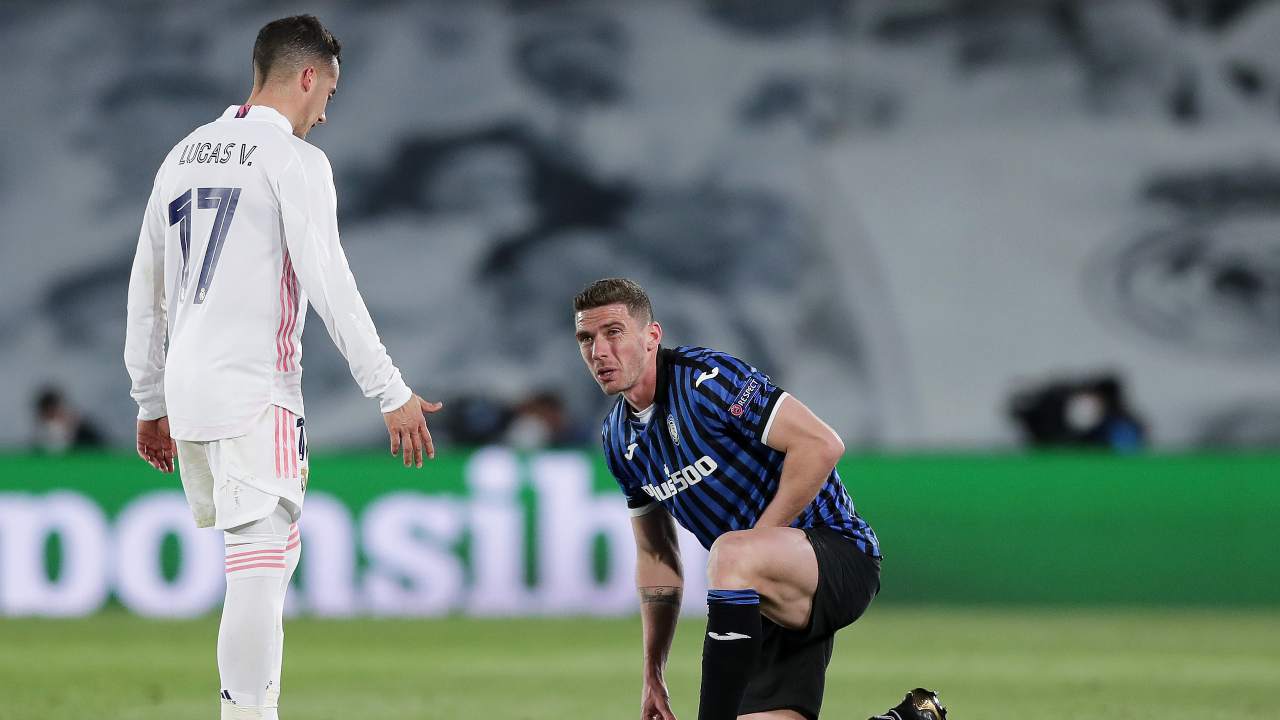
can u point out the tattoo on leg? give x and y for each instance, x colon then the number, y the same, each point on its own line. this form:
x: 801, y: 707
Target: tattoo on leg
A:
x: 662, y: 594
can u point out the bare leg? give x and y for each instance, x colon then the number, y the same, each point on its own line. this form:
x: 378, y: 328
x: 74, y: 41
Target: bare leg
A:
x: 778, y: 563
x: 765, y: 571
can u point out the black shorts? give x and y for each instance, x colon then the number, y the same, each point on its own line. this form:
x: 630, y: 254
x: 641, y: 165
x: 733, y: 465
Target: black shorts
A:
x: 792, y: 671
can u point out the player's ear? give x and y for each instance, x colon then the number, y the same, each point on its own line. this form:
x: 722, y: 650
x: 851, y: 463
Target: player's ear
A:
x: 655, y: 336
x: 308, y: 79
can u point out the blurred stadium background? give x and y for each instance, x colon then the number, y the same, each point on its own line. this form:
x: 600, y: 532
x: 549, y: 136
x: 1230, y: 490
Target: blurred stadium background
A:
x: 1024, y: 256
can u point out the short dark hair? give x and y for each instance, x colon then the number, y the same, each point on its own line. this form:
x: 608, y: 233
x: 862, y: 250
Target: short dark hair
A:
x: 613, y: 291
x: 290, y: 42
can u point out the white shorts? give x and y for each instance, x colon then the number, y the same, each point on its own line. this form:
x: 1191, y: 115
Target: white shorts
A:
x: 238, y: 480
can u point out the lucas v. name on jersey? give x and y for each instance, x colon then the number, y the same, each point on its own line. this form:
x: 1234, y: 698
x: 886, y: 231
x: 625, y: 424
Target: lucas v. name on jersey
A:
x: 216, y: 153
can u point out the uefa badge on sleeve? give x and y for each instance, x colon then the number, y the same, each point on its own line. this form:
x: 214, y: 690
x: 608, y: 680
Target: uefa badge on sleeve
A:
x: 739, y: 405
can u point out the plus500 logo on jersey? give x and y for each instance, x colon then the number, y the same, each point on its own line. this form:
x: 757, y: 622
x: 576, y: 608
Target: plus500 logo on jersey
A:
x: 682, y: 479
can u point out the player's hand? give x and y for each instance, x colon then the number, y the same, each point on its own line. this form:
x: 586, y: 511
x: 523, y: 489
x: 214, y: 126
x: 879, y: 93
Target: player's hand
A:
x: 407, y: 427
x: 655, y: 704
x: 155, y: 445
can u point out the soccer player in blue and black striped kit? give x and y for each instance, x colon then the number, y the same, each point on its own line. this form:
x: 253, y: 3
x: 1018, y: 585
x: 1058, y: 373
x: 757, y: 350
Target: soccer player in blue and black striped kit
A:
x: 702, y: 438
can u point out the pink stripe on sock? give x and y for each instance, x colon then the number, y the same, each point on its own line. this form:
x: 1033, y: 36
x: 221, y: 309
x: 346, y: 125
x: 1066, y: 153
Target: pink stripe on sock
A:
x: 293, y: 545
x: 250, y: 561
x: 276, y: 566
x: 254, y: 552
x: 264, y: 555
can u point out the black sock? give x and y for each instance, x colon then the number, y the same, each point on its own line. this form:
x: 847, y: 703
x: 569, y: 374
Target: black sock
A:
x: 729, y: 651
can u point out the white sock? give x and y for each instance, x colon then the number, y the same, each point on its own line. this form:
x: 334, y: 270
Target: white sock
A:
x: 231, y: 711
x: 260, y: 558
x: 292, y: 553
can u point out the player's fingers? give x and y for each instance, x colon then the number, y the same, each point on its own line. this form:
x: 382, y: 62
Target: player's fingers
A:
x: 428, y: 446
x: 395, y: 442
x: 430, y: 407
x: 150, y: 456
x: 658, y: 712
x: 417, y: 446
x: 406, y: 447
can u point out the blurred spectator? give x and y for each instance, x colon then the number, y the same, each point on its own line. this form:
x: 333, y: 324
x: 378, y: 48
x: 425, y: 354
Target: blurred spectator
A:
x: 59, y: 428
x: 474, y: 421
x: 1081, y: 413
x: 541, y: 421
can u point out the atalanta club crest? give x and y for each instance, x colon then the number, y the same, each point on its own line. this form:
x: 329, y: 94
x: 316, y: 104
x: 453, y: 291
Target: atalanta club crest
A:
x: 673, y: 430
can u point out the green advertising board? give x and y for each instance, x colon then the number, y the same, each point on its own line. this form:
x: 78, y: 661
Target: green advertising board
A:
x: 493, y: 532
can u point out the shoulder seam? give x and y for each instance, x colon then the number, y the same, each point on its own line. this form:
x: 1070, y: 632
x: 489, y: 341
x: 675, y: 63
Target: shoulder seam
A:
x: 687, y: 361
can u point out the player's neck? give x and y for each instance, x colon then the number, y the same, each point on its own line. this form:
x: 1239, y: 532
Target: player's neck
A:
x: 269, y: 97
x: 641, y: 395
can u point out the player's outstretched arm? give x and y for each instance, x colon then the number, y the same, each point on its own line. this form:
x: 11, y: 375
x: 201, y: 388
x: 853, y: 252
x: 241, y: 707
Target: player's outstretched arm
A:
x: 660, y: 581
x: 155, y: 445
x: 407, y: 426
x: 812, y: 449
x: 308, y: 208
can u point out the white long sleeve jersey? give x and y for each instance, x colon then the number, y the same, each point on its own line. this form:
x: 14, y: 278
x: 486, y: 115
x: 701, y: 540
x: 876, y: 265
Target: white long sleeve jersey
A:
x: 239, y: 235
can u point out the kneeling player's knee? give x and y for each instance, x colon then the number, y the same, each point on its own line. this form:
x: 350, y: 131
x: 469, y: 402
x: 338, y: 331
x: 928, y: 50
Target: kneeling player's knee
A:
x: 730, y: 566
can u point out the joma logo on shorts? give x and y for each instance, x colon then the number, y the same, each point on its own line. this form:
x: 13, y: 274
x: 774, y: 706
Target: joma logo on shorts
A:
x: 682, y: 479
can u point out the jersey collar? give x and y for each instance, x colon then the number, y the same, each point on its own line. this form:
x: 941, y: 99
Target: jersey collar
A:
x: 664, y: 374
x: 258, y: 112
x: 660, y: 387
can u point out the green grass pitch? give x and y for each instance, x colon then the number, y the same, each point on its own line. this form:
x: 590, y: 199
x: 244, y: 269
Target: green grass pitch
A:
x: 986, y: 663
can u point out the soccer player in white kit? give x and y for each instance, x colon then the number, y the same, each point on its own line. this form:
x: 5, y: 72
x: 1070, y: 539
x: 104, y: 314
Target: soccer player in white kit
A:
x: 239, y: 235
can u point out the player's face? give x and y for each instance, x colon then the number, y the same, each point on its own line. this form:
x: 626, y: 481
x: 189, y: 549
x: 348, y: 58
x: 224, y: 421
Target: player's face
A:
x: 615, y: 345
x: 324, y: 83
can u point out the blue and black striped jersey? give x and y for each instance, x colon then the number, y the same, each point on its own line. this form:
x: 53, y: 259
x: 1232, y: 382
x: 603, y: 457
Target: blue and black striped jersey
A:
x: 703, y: 456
